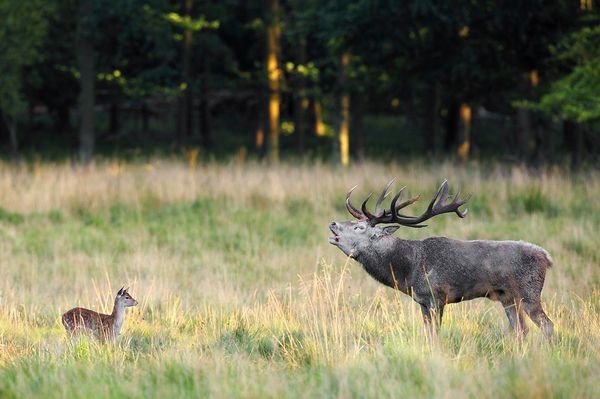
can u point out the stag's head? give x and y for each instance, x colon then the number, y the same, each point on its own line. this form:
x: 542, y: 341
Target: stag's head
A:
x: 356, y: 236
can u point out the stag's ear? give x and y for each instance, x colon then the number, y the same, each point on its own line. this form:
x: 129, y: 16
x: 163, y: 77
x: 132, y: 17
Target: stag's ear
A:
x: 384, y: 231
x: 387, y: 230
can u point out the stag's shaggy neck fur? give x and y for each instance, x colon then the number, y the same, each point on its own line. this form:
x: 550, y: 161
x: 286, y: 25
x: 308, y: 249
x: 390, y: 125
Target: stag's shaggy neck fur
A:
x: 391, y: 261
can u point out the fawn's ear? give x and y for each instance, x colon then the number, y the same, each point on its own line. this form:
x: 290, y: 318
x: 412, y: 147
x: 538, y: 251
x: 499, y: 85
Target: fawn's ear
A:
x: 121, y: 292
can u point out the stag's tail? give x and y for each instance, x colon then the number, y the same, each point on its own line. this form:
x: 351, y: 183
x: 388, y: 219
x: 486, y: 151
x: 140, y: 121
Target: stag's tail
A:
x: 541, y: 256
x: 547, y: 259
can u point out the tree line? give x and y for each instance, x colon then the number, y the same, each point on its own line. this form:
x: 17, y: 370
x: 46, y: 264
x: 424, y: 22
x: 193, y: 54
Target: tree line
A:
x: 291, y: 76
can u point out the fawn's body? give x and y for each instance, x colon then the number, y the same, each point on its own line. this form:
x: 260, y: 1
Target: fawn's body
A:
x: 101, y: 326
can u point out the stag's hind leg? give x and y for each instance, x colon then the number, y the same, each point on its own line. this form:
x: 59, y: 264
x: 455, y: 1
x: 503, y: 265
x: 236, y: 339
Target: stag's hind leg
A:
x: 539, y: 317
x: 516, y: 317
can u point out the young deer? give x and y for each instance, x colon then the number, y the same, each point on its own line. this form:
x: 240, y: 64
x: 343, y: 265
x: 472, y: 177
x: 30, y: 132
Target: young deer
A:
x: 437, y: 271
x: 102, y: 326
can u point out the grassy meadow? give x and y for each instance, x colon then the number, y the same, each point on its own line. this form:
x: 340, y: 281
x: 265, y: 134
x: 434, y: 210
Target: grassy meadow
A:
x: 241, y: 295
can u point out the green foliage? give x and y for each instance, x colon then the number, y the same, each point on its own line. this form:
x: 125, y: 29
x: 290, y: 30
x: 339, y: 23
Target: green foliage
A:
x: 575, y: 96
x: 187, y: 23
x: 22, y: 31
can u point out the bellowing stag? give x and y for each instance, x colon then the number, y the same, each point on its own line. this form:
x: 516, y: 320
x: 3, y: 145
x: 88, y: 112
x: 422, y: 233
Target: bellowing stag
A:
x: 437, y: 271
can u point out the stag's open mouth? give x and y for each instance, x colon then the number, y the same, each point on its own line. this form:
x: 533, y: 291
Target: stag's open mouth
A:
x: 335, y: 238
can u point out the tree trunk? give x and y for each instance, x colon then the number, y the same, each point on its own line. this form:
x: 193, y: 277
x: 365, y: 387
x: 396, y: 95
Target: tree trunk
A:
x: 273, y: 77
x: 299, y: 125
x: 11, y: 126
x: 344, y: 130
x: 62, y: 123
x: 300, y: 102
x: 358, y: 133
x: 452, y: 126
x: 432, y: 124
x: 573, y: 140
x: 185, y: 101
x: 319, y: 126
x: 262, y: 122
x: 526, y: 140
x: 86, y: 59
x: 113, y: 123
x: 205, y: 131
x: 145, y: 119
x: 523, y: 133
x: 464, y: 133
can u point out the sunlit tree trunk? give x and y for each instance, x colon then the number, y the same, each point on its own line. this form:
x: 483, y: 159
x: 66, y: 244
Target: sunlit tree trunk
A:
x: 274, y: 77
x: 344, y: 129
x: 319, y: 126
x: 86, y: 59
x: 464, y: 133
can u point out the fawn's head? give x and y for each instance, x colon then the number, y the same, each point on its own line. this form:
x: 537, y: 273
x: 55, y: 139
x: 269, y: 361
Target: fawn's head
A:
x: 124, y: 299
x: 353, y: 237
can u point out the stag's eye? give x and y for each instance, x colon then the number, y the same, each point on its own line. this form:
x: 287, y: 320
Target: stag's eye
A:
x: 359, y: 227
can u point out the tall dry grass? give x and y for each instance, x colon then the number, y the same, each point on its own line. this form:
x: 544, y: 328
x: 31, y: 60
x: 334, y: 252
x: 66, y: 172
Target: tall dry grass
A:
x: 241, y: 296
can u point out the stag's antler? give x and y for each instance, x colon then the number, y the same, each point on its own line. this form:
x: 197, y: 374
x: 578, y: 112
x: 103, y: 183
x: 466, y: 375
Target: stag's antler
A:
x: 437, y: 206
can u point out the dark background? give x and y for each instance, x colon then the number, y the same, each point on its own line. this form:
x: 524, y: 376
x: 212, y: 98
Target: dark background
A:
x: 514, y: 81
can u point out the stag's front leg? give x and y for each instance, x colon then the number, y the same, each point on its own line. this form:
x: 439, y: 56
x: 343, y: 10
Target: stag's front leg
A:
x: 432, y: 316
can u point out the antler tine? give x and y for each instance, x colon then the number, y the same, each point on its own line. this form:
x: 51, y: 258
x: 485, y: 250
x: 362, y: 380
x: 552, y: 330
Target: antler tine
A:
x: 382, y: 196
x: 365, y: 211
x: 353, y: 211
x: 458, y: 202
x: 440, y: 196
x: 395, y: 199
x: 436, y: 207
x: 405, y: 204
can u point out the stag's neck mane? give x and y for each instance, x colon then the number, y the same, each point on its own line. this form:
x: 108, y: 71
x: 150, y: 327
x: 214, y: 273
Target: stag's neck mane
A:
x: 391, y: 260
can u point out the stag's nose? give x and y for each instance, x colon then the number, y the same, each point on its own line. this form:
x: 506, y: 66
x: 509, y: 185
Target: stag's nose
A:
x: 332, y: 225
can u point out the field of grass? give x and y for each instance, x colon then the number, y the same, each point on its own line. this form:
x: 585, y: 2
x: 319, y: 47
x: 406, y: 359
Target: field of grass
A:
x: 241, y: 295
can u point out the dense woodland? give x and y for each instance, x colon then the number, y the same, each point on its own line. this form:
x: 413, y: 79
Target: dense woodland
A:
x: 340, y: 80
